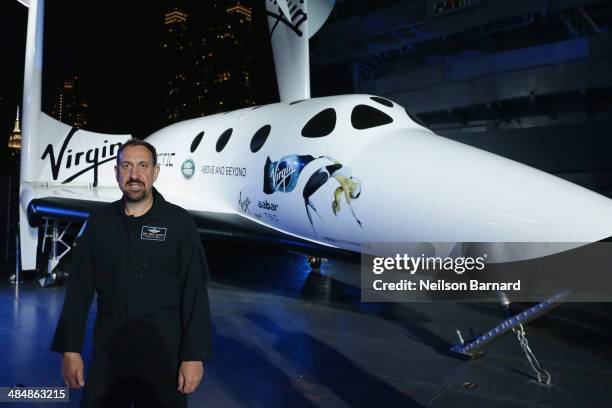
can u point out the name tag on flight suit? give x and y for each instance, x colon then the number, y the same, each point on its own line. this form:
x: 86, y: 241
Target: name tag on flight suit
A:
x: 153, y: 233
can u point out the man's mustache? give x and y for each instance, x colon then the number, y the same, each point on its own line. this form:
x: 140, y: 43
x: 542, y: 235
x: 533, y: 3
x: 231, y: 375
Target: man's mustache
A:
x: 134, y: 181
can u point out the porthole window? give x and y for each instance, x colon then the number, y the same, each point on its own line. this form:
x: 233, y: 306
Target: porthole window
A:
x: 322, y: 124
x: 259, y: 138
x: 196, y: 142
x: 365, y: 117
x: 382, y: 101
x: 223, y: 139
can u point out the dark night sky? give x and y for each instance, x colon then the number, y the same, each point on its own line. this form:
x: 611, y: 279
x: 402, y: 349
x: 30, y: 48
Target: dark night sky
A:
x: 12, y: 48
x: 114, y: 46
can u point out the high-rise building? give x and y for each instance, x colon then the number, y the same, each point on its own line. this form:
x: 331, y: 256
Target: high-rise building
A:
x: 67, y: 103
x: 208, y: 58
x: 225, y: 59
x: 14, y: 141
x: 177, y: 49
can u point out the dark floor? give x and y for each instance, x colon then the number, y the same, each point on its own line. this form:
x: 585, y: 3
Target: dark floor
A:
x: 284, y: 337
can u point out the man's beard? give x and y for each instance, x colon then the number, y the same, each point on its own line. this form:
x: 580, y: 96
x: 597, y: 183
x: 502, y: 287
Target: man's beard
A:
x: 134, y: 196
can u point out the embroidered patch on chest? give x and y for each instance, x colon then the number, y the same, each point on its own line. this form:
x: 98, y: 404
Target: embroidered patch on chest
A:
x: 153, y: 233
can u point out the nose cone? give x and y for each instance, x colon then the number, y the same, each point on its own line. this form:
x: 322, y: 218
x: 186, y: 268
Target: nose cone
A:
x: 418, y: 186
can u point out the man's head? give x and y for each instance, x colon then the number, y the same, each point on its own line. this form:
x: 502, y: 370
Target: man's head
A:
x: 136, y: 169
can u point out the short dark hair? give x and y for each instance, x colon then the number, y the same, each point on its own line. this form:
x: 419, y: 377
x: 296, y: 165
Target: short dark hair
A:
x: 138, y: 142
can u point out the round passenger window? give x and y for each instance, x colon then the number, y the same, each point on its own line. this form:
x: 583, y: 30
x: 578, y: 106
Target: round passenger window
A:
x: 321, y: 124
x: 223, y: 139
x: 196, y: 142
x: 259, y: 138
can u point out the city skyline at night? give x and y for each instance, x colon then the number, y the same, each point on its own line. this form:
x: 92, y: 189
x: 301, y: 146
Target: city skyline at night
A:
x: 115, y: 50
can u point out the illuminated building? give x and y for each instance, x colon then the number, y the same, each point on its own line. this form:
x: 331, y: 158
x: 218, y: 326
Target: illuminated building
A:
x: 207, y: 59
x: 175, y: 16
x: 225, y: 59
x: 238, y: 8
x: 67, y: 103
x: 177, y: 66
x: 14, y: 141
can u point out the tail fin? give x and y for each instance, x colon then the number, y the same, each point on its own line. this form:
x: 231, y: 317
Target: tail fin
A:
x: 53, y: 152
x: 292, y: 23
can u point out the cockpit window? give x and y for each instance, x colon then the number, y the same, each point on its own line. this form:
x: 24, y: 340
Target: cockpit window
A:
x: 416, y: 119
x: 322, y: 124
x: 382, y: 101
x: 196, y: 142
x: 223, y: 139
x: 259, y: 138
x: 365, y: 117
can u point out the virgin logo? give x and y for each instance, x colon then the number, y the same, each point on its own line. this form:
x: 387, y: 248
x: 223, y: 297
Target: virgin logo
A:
x: 94, y: 157
x: 281, y: 176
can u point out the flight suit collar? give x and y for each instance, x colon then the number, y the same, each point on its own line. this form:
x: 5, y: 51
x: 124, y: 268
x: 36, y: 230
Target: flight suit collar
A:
x: 154, y: 212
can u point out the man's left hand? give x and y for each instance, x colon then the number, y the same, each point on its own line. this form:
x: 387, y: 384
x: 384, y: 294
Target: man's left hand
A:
x: 190, y: 375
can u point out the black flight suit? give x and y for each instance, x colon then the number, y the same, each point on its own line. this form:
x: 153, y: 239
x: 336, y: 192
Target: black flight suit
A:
x: 150, y: 277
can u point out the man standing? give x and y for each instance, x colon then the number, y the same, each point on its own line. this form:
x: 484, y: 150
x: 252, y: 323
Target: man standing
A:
x: 143, y: 258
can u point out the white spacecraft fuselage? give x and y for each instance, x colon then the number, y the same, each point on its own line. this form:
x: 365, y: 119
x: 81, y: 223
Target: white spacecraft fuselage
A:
x: 415, y: 186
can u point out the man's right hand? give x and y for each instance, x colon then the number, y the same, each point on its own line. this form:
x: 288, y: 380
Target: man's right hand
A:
x: 72, y: 370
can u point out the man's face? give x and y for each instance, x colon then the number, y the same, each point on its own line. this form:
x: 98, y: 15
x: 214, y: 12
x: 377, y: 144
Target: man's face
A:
x: 136, y: 173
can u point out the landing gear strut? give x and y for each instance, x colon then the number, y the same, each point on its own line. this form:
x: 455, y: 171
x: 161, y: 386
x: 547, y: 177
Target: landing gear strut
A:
x: 55, y: 272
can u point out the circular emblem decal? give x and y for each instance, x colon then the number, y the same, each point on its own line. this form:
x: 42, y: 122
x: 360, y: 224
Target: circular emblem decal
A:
x: 188, y: 168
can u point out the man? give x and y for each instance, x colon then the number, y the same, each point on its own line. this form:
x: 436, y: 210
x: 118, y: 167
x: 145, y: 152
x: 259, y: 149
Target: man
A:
x: 143, y: 258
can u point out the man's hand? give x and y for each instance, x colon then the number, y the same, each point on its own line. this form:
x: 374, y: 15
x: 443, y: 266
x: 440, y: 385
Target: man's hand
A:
x: 190, y: 375
x: 72, y: 370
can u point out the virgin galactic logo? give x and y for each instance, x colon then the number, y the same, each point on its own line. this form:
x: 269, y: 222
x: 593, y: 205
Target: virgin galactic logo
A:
x: 66, y: 158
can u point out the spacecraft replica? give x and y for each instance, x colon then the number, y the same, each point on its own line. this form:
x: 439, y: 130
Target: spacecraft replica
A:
x: 337, y: 173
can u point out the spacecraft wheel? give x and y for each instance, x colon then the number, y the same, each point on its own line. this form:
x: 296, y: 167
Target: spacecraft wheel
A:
x: 314, y: 262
